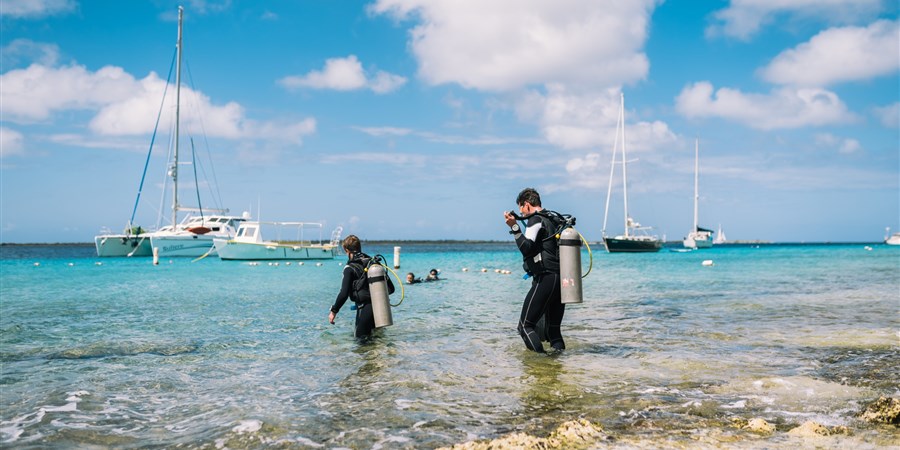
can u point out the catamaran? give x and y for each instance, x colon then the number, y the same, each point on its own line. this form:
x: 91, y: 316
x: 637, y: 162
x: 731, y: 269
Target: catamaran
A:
x: 637, y: 238
x: 698, y: 237
x: 193, y: 235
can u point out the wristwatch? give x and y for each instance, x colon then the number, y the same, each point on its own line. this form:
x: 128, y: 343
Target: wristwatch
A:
x: 514, y: 229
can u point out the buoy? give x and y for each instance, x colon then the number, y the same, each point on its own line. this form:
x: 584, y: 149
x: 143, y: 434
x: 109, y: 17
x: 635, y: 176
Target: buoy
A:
x: 396, y: 257
x: 300, y: 263
x: 71, y: 264
x: 155, y: 256
x: 707, y: 262
x: 98, y: 263
x: 868, y: 248
x: 483, y: 269
x: 465, y: 269
x: 37, y: 264
x: 318, y: 264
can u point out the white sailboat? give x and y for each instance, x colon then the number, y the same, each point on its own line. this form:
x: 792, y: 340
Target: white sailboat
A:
x: 637, y: 238
x: 720, y: 236
x: 698, y: 237
x: 194, y: 234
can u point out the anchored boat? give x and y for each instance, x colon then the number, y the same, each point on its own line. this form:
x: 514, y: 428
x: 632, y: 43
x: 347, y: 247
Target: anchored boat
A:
x: 637, y: 238
x: 249, y: 245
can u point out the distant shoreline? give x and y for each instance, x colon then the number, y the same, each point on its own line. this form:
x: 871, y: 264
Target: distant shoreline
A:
x: 490, y: 242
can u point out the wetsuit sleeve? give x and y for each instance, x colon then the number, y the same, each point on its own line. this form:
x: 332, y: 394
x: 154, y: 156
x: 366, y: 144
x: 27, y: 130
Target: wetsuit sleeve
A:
x: 528, y: 242
x: 346, y: 285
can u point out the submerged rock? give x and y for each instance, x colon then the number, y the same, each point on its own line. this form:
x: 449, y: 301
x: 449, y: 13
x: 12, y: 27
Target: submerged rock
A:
x: 570, y: 435
x: 810, y: 429
x: 759, y: 426
x: 883, y: 410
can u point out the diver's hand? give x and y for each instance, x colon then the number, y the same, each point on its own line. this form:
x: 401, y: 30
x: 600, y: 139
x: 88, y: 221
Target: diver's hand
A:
x: 331, y: 317
x: 510, y: 220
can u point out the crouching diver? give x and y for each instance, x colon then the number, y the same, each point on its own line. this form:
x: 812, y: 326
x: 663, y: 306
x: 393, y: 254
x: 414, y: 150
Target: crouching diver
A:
x: 355, y: 286
x: 540, y: 252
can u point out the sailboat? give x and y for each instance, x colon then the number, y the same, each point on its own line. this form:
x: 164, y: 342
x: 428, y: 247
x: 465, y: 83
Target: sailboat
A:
x: 637, y: 238
x: 698, y: 237
x: 720, y: 236
x: 194, y: 234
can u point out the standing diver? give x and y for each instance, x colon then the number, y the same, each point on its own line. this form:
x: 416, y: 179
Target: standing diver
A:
x: 540, y: 252
x: 355, y: 286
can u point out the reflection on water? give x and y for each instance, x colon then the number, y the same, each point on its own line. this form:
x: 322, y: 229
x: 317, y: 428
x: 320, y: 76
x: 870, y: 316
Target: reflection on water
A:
x: 664, y: 352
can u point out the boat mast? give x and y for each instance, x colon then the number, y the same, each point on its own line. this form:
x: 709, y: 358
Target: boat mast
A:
x: 612, y: 170
x: 696, y: 183
x: 624, y: 167
x: 177, y: 121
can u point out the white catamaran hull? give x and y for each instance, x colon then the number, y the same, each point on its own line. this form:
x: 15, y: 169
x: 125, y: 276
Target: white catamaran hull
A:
x: 186, y: 245
x: 112, y: 245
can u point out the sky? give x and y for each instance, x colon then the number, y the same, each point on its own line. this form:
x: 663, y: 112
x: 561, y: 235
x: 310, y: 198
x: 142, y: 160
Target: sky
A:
x: 423, y: 119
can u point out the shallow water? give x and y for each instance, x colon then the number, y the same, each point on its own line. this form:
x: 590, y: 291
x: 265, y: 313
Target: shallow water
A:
x: 663, y: 352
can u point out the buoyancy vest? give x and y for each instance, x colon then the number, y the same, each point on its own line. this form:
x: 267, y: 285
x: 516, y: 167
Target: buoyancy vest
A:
x: 547, y: 258
x: 359, y: 291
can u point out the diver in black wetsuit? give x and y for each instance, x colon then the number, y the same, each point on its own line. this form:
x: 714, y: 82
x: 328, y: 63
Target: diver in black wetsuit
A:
x: 541, y: 257
x: 355, y: 286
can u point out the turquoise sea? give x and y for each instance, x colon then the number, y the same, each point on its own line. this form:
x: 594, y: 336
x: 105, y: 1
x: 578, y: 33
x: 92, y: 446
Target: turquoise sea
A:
x: 664, y: 352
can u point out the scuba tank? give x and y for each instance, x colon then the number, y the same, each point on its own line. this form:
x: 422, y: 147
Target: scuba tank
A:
x: 378, y: 291
x: 570, y: 266
x: 569, y: 251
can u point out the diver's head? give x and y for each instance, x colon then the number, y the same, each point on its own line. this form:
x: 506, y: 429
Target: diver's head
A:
x: 351, y: 244
x: 529, y: 201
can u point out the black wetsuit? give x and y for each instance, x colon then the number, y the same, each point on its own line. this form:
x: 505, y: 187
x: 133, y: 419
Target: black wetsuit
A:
x: 541, y: 257
x: 353, y: 271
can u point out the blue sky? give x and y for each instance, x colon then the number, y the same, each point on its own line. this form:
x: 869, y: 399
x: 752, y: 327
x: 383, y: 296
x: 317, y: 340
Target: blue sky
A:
x: 415, y: 119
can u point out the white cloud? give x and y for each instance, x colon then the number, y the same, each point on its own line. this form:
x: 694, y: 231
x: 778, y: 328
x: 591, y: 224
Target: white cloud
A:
x: 35, y: 92
x: 783, y: 108
x: 839, y: 54
x: 743, y: 18
x: 36, y: 8
x: 889, y: 115
x: 125, y: 106
x: 26, y: 50
x: 843, y: 145
x: 584, y: 120
x: 384, y: 131
x: 11, y: 142
x: 509, y: 44
x: 344, y: 74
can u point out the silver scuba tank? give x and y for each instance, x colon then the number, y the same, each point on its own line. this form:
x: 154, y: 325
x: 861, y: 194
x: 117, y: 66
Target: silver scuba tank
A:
x: 570, y: 266
x: 378, y: 291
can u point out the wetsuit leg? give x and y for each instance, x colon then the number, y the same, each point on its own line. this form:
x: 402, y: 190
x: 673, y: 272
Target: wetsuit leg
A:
x: 554, y: 316
x: 536, y: 302
x: 365, y: 320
